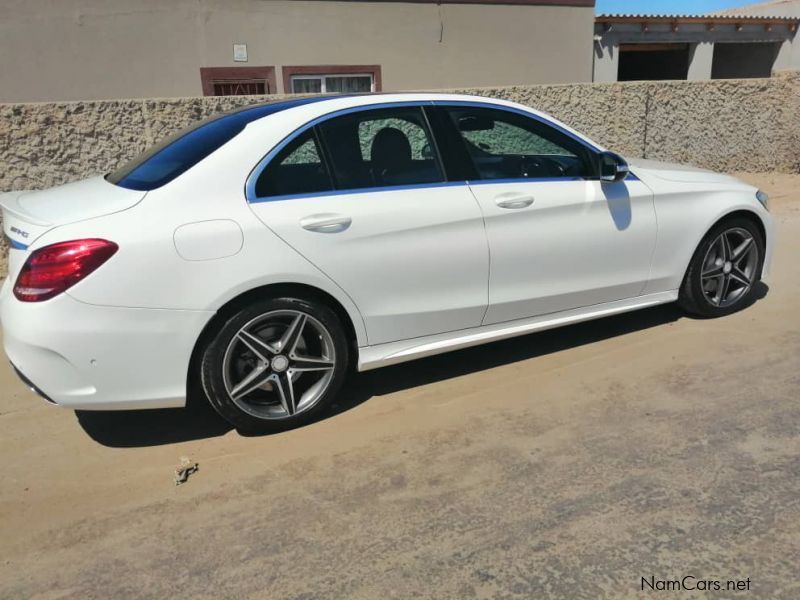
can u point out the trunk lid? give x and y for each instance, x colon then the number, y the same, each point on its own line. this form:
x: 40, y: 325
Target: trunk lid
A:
x: 27, y: 215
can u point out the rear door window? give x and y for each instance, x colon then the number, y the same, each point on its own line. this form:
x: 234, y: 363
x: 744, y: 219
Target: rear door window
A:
x: 297, y: 169
x: 381, y: 148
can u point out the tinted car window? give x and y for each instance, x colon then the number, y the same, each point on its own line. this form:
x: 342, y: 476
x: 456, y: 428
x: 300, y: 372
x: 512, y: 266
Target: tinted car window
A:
x: 507, y: 145
x: 297, y: 169
x: 180, y: 152
x: 380, y: 148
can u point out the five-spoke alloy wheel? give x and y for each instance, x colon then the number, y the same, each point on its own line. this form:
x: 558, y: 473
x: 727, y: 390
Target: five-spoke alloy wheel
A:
x: 724, y: 270
x: 729, y: 267
x: 275, y: 363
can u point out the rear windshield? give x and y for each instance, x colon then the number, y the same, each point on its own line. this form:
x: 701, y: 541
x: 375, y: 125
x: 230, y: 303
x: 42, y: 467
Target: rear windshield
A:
x: 180, y: 152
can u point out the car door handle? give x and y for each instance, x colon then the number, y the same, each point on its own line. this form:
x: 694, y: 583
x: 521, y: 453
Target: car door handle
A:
x: 513, y: 201
x: 325, y: 223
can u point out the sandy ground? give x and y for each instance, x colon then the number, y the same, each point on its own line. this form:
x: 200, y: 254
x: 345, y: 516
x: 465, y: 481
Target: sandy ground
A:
x: 570, y: 463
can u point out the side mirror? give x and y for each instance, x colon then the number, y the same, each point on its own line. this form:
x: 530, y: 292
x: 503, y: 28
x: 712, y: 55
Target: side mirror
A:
x: 612, y: 167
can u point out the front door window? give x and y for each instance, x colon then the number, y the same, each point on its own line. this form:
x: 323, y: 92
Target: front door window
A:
x: 507, y: 145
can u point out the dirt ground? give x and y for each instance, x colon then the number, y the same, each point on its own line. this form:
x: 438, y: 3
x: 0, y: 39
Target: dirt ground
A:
x: 570, y: 463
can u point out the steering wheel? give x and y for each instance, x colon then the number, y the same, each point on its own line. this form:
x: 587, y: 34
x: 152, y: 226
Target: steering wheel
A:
x: 541, y: 166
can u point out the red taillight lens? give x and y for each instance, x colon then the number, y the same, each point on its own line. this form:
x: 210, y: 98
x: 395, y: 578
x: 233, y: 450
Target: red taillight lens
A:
x: 55, y: 268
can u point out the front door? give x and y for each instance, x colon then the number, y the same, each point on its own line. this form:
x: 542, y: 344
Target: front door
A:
x: 559, y: 239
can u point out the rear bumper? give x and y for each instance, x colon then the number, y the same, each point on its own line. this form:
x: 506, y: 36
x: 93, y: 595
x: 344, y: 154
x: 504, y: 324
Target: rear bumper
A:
x: 90, y: 357
x: 30, y: 384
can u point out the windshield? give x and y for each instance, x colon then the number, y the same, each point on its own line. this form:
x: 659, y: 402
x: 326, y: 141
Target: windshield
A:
x: 180, y: 152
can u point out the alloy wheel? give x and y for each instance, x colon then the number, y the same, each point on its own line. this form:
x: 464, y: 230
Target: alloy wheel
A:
x: 729, y: 267
x: 279, y: 364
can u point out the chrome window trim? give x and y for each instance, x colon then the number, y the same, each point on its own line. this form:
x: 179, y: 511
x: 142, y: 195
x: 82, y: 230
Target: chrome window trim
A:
x: 386, y: 188
x: 255, y: 173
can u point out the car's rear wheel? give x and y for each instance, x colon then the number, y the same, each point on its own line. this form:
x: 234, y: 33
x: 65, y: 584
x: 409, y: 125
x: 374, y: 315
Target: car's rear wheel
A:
x: 724, y: 270
x: 275, y: 364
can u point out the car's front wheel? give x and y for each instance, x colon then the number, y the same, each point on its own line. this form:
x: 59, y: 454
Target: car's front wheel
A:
x: 725, y: 269
x: 275, y: 364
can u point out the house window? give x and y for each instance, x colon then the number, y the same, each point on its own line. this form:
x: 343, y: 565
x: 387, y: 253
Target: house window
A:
x: 639, y: 62
x: 332, y: 79
x: 331, y: 84
x: 237, y: 81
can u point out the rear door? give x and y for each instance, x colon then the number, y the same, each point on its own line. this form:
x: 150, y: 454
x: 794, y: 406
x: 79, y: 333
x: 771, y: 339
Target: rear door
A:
x: 559, y: 238
x: 363, y: 197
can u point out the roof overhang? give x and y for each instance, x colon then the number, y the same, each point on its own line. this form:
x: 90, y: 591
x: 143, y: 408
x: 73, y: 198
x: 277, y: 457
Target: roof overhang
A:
x: 710, y: 21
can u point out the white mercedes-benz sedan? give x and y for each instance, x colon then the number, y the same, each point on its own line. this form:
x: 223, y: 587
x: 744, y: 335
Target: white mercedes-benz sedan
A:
x: 264, y: 252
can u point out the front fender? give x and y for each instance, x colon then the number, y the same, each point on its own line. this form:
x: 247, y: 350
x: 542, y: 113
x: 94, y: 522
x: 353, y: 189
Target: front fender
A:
x: 685, y: 215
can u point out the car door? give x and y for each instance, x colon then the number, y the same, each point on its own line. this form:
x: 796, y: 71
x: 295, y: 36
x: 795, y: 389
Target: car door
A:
x: 363, y: 197
x: 559, y: 238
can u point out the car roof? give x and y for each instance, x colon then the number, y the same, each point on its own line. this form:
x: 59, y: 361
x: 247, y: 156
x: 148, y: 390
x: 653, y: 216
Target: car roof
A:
x: 309, y: 108
x: 264, y: 109
x: 322, y: 104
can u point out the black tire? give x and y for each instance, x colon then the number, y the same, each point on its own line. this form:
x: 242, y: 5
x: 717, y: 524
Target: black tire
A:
x: 692, y: 296
x: 215, y: 371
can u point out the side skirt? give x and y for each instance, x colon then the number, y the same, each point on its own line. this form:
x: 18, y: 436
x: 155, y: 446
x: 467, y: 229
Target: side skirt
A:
x: 382, y: 355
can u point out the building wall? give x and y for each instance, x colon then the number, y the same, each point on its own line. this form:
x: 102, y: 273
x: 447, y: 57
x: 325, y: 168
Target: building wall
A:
x: 789, y: 55
x: 607, y: 43
x: 100, y: 49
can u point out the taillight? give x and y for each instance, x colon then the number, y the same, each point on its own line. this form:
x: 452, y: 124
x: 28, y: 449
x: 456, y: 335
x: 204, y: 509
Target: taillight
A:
x: 55, y: 268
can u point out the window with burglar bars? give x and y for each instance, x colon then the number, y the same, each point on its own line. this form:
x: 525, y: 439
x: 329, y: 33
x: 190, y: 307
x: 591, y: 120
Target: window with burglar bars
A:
x: 238, y: 81
x: 241, y: 87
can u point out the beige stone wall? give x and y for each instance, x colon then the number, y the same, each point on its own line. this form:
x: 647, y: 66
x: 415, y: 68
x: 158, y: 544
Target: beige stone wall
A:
x: 45, y: 144
x: 751, y: 124
x: 726, y: 125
